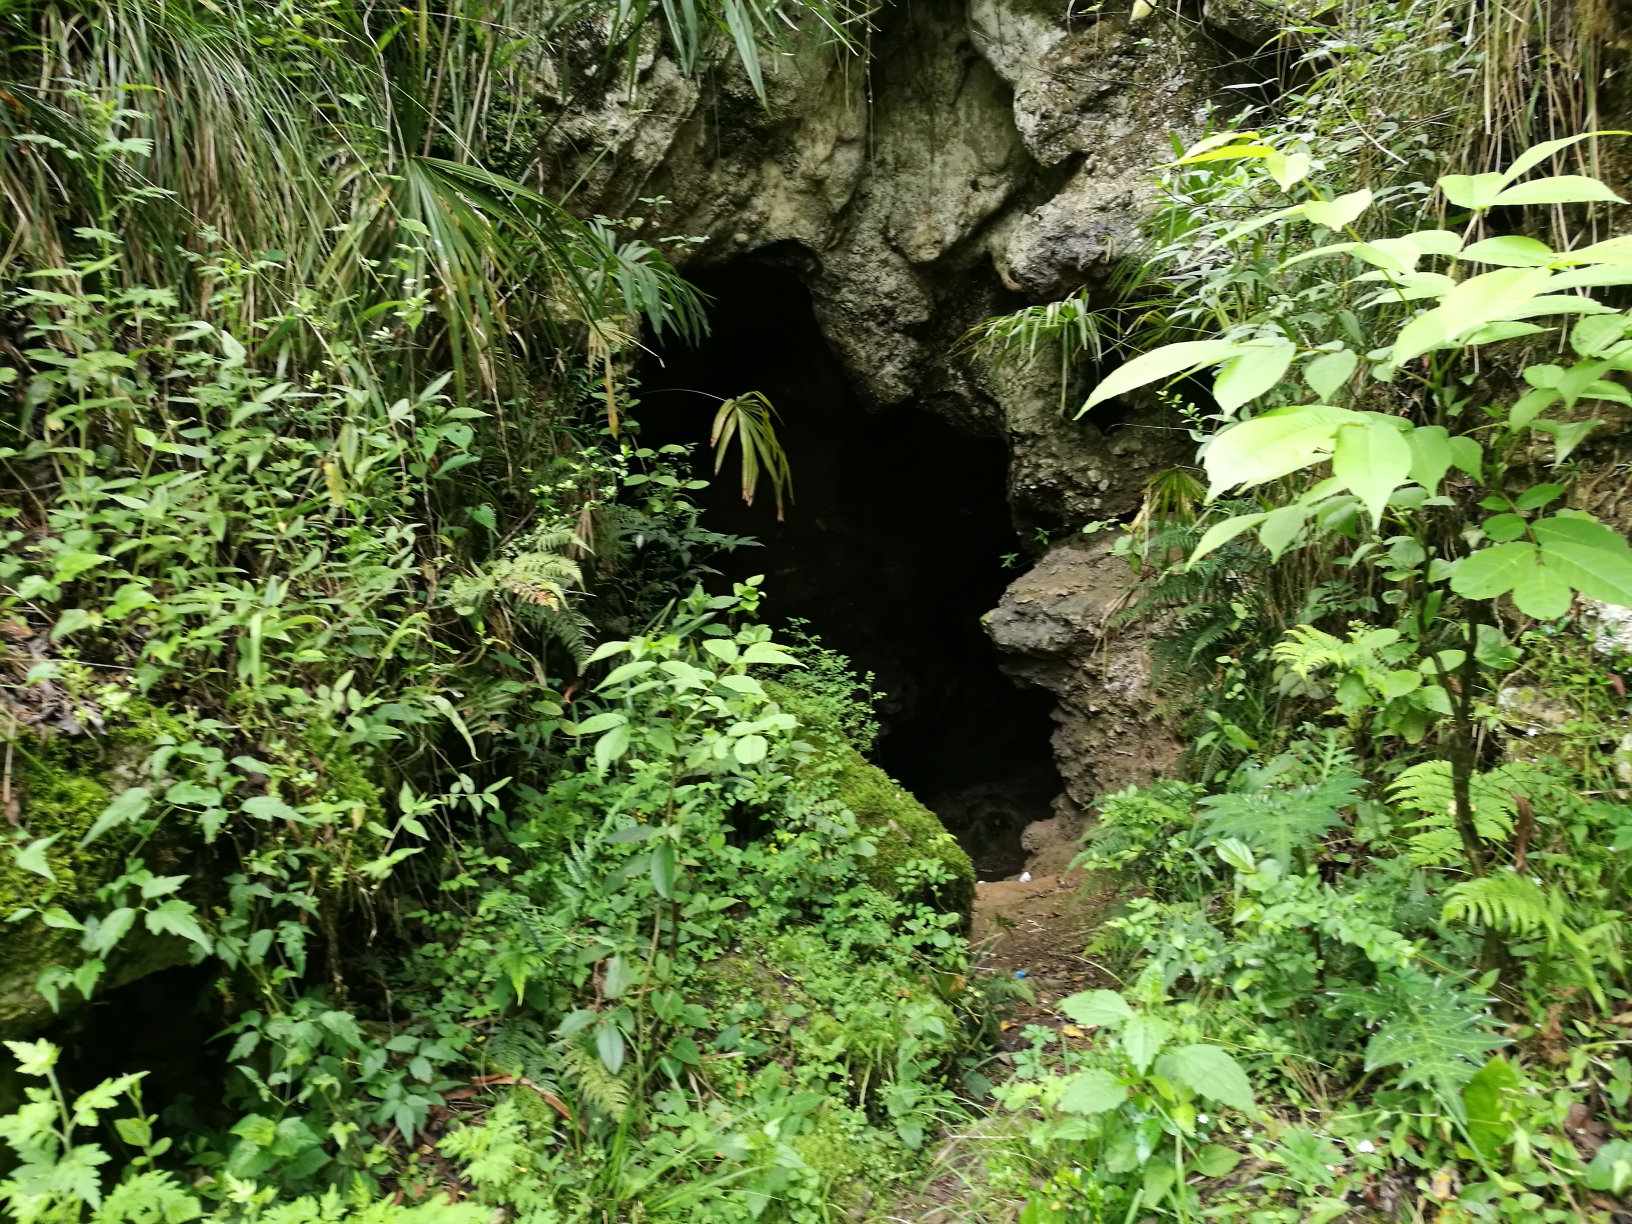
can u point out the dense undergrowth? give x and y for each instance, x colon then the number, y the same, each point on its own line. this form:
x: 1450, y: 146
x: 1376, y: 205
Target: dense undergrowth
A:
x: 1393, y: 881
x: 363, y: 658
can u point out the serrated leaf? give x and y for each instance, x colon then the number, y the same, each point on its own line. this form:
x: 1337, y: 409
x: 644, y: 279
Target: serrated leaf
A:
x: 1158, y: 364
x: 128, y: 805
x: 177, y: 917
x: 1092, y: 1092
x: 1103, y: 1008
x: 32, y: 857
x: 1433, y: 1034
x: 1142, y: 1039
x: 1212, y: 1073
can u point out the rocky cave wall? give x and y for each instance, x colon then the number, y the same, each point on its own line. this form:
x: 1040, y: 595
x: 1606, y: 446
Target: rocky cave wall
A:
x: 977, y: 156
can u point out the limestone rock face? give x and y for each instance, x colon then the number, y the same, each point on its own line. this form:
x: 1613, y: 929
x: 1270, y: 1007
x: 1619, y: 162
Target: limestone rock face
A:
x: 982, y: 155
x: 1053, y: 624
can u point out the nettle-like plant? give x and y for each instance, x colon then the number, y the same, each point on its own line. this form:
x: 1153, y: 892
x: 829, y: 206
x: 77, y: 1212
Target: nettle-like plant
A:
x: 1401, y: 482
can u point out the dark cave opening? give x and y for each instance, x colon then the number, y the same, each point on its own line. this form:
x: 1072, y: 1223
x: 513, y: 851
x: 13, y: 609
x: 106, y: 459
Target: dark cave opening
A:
x: 894, y: 546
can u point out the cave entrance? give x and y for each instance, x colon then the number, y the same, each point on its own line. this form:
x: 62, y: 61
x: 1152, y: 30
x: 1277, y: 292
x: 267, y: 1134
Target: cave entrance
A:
x: 897, y: 540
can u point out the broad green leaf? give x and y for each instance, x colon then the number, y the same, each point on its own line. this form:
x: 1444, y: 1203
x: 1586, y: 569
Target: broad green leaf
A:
x: 1538, y: 153
x: 1537, y: 496
x: 606, y: 650
x: 1103, y: 1008
x: 1327, y: 373
x: 1372, y: 458
x: 1216, y: 1160
x: 766, y: 652
x: 1495, y: 333
x: 1092, y: 1092
x: 1335, y: 214
x: 1504, y: 527
x: 1430, y: 455
x: 1257, y: 370
x: 1270, y: 446
x: 1222, y: 533
x: 268, y: 807
x: 626, y: 671
x: 1472, y: 190
x: 1491, y: 572
x: 1435, y: 242
x: 1484, y: 1099
x: 1165, y: 362
x: 1567, y: 435
x: 1234, y: 152
x: 1557, y: 304
x: 1215, y: 1075
x: 749, y: 749
x: 1489, y: 296
x: 1282, y: 527
x: 663, y: 869
x: 1423, y: 334
x: 1591, y: 278
x: 71, y: 621
x: 1288, y: 169
x: 1540, y: 592
x: 595, y: 724
x: 1559, y: 189
x: 1142, y: 1039
x: 1468, y: 456
x: 609, y: 1045
x: 128, y: 805
x: 611, y: 746
x: 1511, y: 251
x: 1591, y: 557
x: 1596, y: 333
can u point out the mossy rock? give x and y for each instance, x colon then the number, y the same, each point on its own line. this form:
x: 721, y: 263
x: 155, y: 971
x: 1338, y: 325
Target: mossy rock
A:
x: 901, y: 828
x: 61, y: 784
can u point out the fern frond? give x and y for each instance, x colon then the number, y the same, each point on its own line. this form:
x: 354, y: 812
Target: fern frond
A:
x: 1430, y: 1030
x: 1282, y: 822
x: 595, y: 1085
x: 1426, y: 787
x: 1506, y: 901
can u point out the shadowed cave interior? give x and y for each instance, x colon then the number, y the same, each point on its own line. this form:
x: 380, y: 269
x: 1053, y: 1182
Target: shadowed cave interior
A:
x: 893, y: 548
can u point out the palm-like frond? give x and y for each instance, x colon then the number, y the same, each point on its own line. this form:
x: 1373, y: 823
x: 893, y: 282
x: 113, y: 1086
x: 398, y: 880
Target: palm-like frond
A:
x: 751, y: 419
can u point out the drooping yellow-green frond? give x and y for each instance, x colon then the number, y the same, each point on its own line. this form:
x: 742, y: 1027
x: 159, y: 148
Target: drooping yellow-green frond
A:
x: 751, y: 419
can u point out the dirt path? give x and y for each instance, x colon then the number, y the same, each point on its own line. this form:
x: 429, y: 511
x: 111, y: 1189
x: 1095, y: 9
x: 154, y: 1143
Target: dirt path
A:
x: 1040, y: 927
